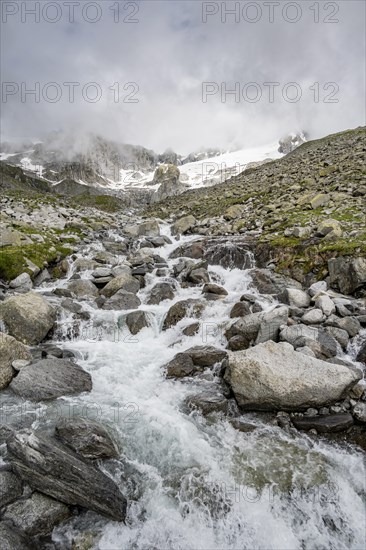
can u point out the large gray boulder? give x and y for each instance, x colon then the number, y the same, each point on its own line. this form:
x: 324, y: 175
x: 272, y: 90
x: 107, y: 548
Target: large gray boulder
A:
x: 51, y: 468
x: 10, y: 350
x: 37, y: 515
x: 148, y: 228
x: 28, y: 317
x: 88, y: 438
x: 160, y: 292
x: 10, y: 488
x: 185, y: 308
x: 183, y: 225
x: 51, y: 378
x: 83, y: 288
x: 124, y: 281
x: 122, y: 300
x: 273, y: 376
x: 271, y: 321
x: 347, y: 274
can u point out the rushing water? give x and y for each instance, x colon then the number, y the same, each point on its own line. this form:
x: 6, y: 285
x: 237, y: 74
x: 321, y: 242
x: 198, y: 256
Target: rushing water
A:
x: 195, y: 482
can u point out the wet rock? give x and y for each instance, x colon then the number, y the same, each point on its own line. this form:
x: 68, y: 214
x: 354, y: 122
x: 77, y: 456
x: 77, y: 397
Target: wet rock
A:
x: 238, y: 342
x: 52, y: 469
x: 211, y: 288
x: 11, y: 539
x: 122, y: 300
x: 37, y: 515
x: 83, y: 288
x: 182, y: 309
x: 241, y: 309
x: 229, y: 254
x: 10, y: 350
x: 206, y: 356
x: 268, y: 282
x: 242, y: 426
x: 273, y: 376
x: 198, y: 276
x: 325, y: 423
x: 359, y: 412
x: 181, y: 366
x: 208, y: 401
x: 160, y: 292
x: 188, y: 250
x: 27, y: 317
x: 191, y: 329
x: 247, y: 327
x: 51, y: 378
x: 361, y: 356
x: 136, y: 321
x: 122, y: 282
x: 11, y: 488
x: 88, y: 438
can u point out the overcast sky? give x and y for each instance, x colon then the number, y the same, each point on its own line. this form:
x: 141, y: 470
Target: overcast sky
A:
x: 168, y: 54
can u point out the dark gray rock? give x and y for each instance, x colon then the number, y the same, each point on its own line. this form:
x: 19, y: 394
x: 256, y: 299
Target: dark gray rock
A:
x: 206, y: 356
x: 324, y: 424
x: 181, y: 366
x: 208, y: 401
x: 51, y: 468
x: 37, y: 515
x: 87, y: 438
x: 191, y: 329
x: 83, y: 288
x: 240, y: 310
x: 11, y: 539
x: 51, y: 378
x: 160, y: 292
x: 122, y: 300
x: 198, y: 276
x: 136, y: 321
x: 179, y: 310
x: 10, y: 488
x: 361, y: 356
x: 211, y: 288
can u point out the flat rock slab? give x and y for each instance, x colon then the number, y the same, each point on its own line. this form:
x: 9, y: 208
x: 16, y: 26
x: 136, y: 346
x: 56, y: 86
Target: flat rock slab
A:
x: 51, y: 378
x: 273, y: 376
x: 324, y: 424
x: 54, y: 470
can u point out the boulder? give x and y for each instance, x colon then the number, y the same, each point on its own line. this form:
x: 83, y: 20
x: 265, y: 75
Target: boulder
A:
x: 122, y: 282
x: 160, y: 292
x: 51, y: 378
x: 11, y: 539
x: 211, y: 288
x: 272, y: 376
x: 23, y: 281
x: 315, y: 288
x: 182, y: 309
x: 183, y: 225
x: 349, y: 324
x: 188, y: 250
x: 136, y: 321
x: 340, y: 335
x: 296, y: 297
x: 247, y: 327
x: 191, y: 329
x: 83, y: 288
x: 208, y: 401
x: 10, y: 350
x: 229, y: 254
x: 11, y: 488
x: 51, y: 468
x: 206, y: 356
x: 361, y: 355
x: 240, y: 309
x: 87, y: 438
x: 312, y: 317
x: 347, y: 274
x: 37, y: 515
x: 181, y: 366
x: 269, y: 282
x: 324, y: 424
x: 122, y: 300
x: 359, y: 411
x: 148, y: 228
x: 330, y: 227
x: 326, y: 304
x: 271, y: 321
x: 28, y: 317
x: 198, y: 276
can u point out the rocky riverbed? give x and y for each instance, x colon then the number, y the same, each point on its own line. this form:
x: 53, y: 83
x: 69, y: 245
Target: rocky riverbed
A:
x: 164, y: 387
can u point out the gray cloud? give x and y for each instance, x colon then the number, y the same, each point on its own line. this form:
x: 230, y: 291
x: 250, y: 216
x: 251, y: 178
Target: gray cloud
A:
x: 169, y: 54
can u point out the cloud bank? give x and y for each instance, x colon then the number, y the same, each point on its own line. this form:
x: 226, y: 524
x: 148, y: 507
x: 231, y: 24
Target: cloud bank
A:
x: 182, y: 74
